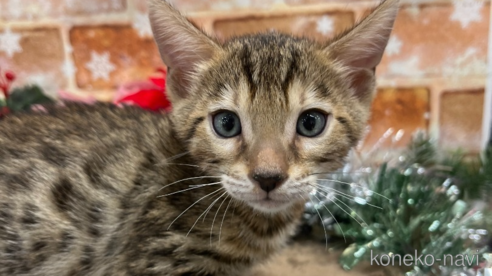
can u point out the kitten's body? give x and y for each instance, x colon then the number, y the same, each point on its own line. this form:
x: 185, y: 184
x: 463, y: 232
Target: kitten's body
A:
x: 101, y: 190
x: 82, y: 200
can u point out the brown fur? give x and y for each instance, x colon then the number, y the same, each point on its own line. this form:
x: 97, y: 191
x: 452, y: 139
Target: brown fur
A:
x: 100, y: 190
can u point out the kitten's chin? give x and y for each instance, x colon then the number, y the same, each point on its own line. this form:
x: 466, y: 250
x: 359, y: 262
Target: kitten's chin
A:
x: 270, y: 205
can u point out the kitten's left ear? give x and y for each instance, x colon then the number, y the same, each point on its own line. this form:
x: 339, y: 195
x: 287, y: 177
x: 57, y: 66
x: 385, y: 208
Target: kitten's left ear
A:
x: 182, y: 46
x: 362, y: 47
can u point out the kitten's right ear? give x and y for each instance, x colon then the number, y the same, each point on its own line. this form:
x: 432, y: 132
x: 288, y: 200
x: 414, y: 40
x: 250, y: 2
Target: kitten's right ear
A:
x: 182, y: 46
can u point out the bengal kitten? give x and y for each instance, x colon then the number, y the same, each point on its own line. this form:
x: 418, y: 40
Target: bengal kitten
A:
x: 212, y: 188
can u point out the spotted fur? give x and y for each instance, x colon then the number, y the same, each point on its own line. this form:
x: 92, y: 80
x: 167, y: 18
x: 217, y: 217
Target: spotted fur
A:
x: 102, y: 190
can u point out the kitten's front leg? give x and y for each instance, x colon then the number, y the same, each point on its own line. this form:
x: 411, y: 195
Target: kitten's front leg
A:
x: 177, y: 255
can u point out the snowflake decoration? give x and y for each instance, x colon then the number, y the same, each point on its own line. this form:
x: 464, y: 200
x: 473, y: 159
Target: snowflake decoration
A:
x: 466, y: 64
x: 141, y: 23
x: 9, y: 43
x: 394, y: 46
x: 408, y: 67
x: 100, y: 66
x: 467, y: 11
x: 68, y: 69
x: 325, y: 25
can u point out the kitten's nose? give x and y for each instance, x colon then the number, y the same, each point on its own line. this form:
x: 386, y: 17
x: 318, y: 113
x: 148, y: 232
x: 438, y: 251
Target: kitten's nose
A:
x: 268, y: 182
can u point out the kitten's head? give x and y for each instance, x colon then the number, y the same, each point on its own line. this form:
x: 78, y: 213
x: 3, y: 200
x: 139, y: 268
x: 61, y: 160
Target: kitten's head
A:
x: 269, y: 112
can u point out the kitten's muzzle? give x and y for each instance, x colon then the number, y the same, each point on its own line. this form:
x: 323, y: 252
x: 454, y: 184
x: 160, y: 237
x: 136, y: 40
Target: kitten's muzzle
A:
x: 268, y: 182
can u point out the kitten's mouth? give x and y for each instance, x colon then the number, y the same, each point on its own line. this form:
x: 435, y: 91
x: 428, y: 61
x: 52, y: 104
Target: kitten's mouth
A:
x: 269, y: 204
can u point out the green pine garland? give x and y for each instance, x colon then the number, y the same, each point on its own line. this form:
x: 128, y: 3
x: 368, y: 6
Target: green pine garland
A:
x: 23, y: 98
x: 422, y: 202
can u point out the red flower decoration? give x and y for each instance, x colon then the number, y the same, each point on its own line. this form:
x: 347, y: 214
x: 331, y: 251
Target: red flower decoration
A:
x: 150, y: 95
x: 10, y: 76
x: 5, y: 82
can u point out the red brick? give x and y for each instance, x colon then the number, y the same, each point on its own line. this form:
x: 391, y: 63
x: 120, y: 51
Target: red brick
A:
x: 433, y: 43
x: 404, y: 109
x: 301, y: 24
x: 40, y: 60
x: 134, y: 57
x: 461, y: 119
x: 37, y: 9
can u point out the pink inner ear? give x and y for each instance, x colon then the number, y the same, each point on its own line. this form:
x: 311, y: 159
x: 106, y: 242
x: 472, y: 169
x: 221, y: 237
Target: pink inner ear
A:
x: 179, y: 84
x: 182, y: 46
x: 368, y: 60
x: 363, y: 81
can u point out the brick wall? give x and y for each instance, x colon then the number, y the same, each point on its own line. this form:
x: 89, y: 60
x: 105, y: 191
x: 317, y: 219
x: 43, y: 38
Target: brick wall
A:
x: 432, y: 76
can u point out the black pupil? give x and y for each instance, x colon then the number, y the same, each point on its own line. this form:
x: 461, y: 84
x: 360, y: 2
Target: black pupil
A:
x: 309, y: 121
x: 228, y: 122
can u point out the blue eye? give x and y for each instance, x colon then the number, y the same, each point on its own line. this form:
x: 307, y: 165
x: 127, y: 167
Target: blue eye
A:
x: 227, y: 124
x: 311, y: 123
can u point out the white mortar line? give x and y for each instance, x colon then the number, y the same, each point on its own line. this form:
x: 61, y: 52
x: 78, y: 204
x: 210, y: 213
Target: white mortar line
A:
x: 487, y: 110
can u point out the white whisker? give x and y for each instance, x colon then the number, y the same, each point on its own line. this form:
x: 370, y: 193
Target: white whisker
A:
x: 213, y: 221
x: 181, y: 164
x: 330, y: 189
x: 189, y: 178
x: 321, y: 220
x: 205, y: 216
x: 225, y: 212
x: 338, y: 173
x: 356, y: 220
x: 196, y: 202
x: 204, y: 185
x: 352, y: 211
x: 194, y: 187
x: 344, y: 195
x: 340, y: 227
x: 206, y: 210
x: 353, y: 184
x: 177, y: 156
